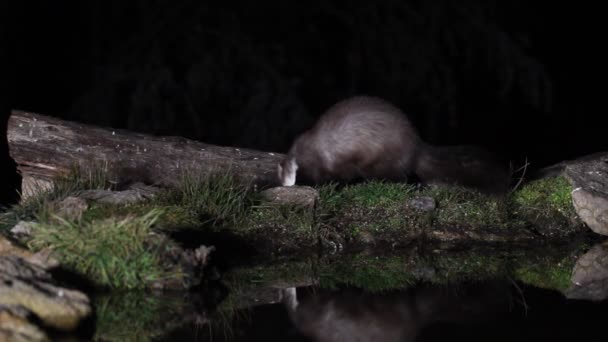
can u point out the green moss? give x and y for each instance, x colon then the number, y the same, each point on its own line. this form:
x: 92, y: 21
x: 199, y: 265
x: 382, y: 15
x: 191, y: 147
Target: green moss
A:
x: 358, y: 210
x: 464, y: 207
x: 545, y: 194
x: 379, y: 212
x: 297, y: 220
x: 546, y: 205
x: 376, y: 193
x: 370, y: 195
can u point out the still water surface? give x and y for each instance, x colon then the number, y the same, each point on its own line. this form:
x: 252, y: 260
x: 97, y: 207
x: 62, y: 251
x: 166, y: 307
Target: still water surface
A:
x: 548, y: 295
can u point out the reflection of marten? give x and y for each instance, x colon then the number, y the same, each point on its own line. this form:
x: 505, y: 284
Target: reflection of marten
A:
x: 368, y: 138
x: 351, y: 314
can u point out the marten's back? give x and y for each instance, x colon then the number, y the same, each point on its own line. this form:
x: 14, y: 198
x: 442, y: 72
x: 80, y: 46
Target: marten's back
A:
x: 360, y: 137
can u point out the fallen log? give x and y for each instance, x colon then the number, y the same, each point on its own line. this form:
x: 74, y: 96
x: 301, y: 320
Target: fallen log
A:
x: 45, y: 147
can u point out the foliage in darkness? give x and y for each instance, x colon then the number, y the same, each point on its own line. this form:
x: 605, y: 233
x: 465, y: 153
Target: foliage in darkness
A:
x: 257, y: 74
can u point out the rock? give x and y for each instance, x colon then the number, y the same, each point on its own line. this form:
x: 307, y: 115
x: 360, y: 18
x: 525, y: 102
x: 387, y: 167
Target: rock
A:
x: 195, y: 260
x: 201, y: 255
x: 589, y: 178
x: 589, y: 278
x: 189, y: 265
x: 422, y: 203
x: 136, y: 192
x: 427, y: 273
x: 146, y: 191
x: 16, y: 326
x: 32, y: 187
x: 71, y: 208
x: 457, y: 234
x: 302, y: 196
x: 22, y: 229
x: 26, y: 285
x: 592, y: 209
x: 42, y: 258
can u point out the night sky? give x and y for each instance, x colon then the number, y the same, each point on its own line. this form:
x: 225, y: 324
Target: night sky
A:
x: 521, y: 78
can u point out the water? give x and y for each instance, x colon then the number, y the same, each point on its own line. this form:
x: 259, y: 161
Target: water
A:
x: 476, y: 293
x: 490, y: 311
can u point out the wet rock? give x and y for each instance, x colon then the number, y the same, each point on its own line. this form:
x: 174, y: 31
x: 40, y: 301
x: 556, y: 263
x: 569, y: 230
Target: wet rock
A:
x: 589, y: 178
x: 422, y: 203
x: 24, y: 284
x: 590, y: 275
x: 302, y: 196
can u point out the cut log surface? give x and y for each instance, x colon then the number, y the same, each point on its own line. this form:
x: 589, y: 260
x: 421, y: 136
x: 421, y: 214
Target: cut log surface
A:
x: 45, y: 147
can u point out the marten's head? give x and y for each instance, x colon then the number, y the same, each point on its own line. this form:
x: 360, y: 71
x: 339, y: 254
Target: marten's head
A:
x: 286, y: 170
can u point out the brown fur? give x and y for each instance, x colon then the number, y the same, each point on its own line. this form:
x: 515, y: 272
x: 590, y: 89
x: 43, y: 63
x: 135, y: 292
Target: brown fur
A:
x: 368, y: 138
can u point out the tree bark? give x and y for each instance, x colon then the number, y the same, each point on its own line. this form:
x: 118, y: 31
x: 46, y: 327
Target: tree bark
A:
x: 46, y: 147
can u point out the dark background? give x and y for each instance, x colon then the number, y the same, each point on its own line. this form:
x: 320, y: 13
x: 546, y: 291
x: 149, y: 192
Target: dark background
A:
x: 522, y: 78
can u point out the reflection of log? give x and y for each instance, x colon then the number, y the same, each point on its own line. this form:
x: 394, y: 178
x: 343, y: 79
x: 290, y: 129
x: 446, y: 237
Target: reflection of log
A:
x: 45, y: 147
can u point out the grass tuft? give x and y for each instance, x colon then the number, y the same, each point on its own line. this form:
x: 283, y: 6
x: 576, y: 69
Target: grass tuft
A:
x: 218, y: 198
x: 112, y: 252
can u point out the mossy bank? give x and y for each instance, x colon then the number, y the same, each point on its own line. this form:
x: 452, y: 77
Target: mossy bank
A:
x: 126, y: 245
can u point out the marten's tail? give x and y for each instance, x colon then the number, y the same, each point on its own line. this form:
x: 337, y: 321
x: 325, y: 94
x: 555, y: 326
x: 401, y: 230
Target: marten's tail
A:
x: 469, y: 166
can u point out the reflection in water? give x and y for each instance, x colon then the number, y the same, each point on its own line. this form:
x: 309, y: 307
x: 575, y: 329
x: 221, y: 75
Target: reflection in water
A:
x: 353, y: 315
x: 503, y: 307
x: 590, y: 275
x: 497, y: 310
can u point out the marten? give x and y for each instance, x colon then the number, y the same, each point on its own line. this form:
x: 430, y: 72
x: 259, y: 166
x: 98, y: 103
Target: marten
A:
x: 366, y: 137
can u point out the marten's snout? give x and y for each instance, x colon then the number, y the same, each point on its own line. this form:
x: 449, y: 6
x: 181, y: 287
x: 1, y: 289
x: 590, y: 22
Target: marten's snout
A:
x: 286, y: 171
